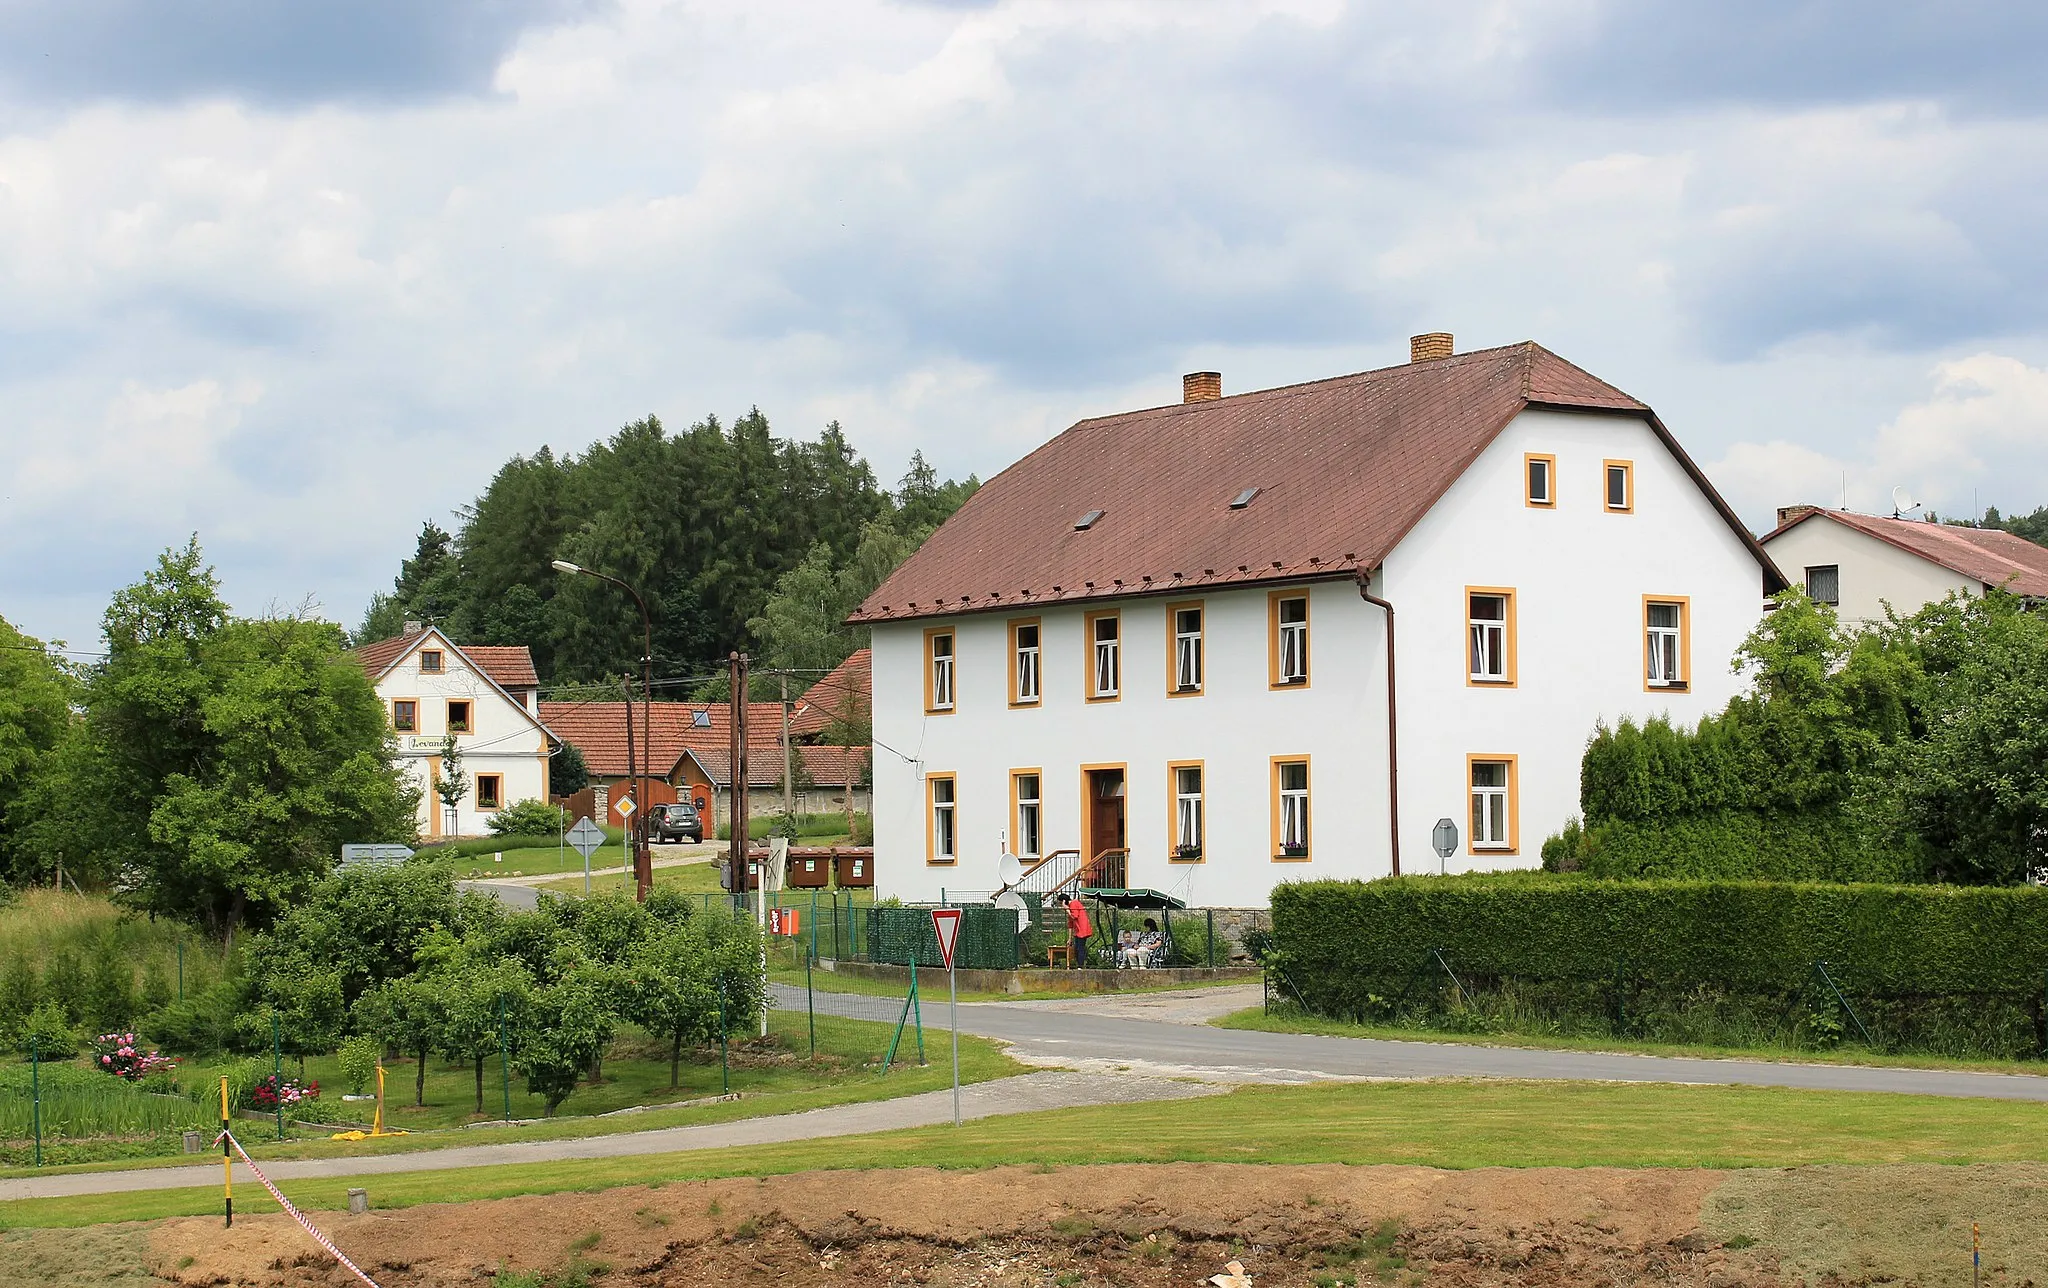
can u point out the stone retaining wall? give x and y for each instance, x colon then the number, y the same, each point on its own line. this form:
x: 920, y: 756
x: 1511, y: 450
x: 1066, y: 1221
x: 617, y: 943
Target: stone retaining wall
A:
x: 1045, y: 981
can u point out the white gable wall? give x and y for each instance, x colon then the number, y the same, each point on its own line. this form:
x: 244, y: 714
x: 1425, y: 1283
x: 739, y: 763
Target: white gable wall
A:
x: 1874, y: 573
x: 1579, y: 574
x: 503, y: 741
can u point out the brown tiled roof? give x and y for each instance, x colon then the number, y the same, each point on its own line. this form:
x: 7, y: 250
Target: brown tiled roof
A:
x: 599, y: 731
x: 1344, y: 467
x: 509, y: 665
x: 1986, y: 554
x: 826, y: 766
x: 827, y: 700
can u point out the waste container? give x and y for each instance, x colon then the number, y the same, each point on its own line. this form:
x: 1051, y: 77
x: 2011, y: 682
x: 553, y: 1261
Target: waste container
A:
x: 811, y: 872
x: 855, y: 871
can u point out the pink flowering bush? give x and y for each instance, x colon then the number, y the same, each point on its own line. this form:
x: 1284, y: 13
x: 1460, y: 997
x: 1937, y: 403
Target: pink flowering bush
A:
x: 270, y: 1091
x: 121, y: 1055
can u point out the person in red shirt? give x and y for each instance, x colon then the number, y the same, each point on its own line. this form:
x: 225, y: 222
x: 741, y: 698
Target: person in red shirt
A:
x: 1079, y: 927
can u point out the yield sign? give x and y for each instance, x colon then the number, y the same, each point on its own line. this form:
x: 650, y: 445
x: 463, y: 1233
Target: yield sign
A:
x: 946, y: 923
x: 586, y: 836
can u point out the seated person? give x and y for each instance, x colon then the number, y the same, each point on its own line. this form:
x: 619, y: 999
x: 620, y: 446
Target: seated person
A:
x: 1145, y: 949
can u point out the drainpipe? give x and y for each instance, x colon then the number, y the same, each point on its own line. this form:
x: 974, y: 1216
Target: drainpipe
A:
x: 1393, y: 724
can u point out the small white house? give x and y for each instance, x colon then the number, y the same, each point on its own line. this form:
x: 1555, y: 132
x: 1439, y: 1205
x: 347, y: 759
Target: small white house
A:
x: 1862, y: 563
x: 486, y: 696
x: 1236, y: 641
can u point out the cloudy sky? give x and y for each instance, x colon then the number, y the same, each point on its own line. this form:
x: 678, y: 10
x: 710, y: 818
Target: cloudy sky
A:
x: 298, y: 276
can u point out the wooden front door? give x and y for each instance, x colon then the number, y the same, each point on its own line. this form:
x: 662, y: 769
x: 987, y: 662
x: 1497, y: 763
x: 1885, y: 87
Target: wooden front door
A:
x: 1105, y: 820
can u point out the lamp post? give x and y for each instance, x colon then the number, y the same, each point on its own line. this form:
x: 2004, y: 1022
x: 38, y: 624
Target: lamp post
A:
x: 643, y: 861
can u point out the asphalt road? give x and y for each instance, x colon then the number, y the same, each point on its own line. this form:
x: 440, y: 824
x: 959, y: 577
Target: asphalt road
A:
x: 1077, y: 1035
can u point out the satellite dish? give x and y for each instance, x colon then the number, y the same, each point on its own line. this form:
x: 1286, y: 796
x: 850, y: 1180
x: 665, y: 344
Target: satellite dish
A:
x: 1903, y: 502
x: 1009, y: 871
x: 1011, y: 899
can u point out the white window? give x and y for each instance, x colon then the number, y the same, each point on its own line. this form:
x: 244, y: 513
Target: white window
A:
x: 1027, y: 663
x: 1291, y: 629
x: 1108, y: 656
x: 1620, y: 486
x: 1488, y: 629
x: 1187, y: 811
x: 1490, y: 811
x: 942, y: 672
x: 1293, y: 789
x: 1542, y: 471
x: 1187, y: 649
x: 1664, y: 652
x: 1028, y: 803
x: 1824, y: 584
x: 945, y: 836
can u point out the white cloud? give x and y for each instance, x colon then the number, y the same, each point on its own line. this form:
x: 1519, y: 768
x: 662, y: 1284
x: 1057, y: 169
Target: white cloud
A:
x: 956, y: 228
x: 1979, y: 437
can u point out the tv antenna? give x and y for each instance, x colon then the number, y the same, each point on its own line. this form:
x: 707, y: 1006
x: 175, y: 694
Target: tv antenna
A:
x: 1903, y: 503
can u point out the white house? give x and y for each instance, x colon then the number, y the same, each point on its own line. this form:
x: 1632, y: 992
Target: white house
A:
x: 1862, y: 562
x: 1279, y: 635
x: 486, y: 696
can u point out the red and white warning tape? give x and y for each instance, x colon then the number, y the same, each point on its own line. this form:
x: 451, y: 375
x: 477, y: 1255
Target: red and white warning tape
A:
x: 297, y: 1215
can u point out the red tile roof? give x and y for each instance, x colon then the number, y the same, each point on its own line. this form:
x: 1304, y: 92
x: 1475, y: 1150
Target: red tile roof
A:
x: 599, y: 731
x: 851, y: 682
x: 1344, y: 467
x: 1986, y: 554
x: 509, y: 665
x: 826, y: 766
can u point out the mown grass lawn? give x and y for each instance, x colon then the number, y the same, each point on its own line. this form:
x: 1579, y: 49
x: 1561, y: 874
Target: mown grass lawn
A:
x: 778, y: 1078
x: 1290, y: 1021
x: 1440, y: 1124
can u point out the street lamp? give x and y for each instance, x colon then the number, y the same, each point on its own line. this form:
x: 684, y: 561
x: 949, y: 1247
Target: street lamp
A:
x: 643, y: 861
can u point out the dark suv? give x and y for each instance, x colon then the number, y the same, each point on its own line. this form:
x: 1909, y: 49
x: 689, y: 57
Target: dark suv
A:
x: 676, y: 822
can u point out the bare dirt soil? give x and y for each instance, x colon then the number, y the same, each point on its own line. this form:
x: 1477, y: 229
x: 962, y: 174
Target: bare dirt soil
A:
x: 1132, y: 1226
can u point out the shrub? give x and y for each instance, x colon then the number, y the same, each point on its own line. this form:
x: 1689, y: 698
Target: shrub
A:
x: 214, y: 1019
x: 1917, y: 953
x: 359, y: 1057
x: 273, y: 1089
x: 527, y: 818
x: 121, y: 1054
x: 48, y: 1033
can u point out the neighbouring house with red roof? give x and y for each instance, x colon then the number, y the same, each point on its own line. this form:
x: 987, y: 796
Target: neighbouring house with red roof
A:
x: 841, y: 700
x: 1212, y: 646
x: 692, y: 754
x: 1862, y: 563
x: 485, y: 697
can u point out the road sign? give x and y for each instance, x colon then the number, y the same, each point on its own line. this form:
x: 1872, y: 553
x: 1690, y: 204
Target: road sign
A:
x: 375, y: 853
x: 1445, y: 837
x: 586, y: 836
x: 946, y: 923
x: 624, y: 806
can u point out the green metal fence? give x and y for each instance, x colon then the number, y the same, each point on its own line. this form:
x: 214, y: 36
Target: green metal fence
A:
x: 988, y: 938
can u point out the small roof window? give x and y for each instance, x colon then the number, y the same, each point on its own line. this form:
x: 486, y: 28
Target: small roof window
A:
x: 1244, y: 498
x: 1087, y: 521
x: 700, y: 719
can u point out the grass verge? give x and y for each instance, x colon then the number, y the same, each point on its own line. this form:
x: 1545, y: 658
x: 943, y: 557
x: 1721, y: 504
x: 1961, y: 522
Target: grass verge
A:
x: 1256, y: 1019
x: 1440, y: 1124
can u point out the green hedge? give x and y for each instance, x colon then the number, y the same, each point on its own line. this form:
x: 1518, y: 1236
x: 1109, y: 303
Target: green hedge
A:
x: 1347, y: 944
x: 1738, y: 845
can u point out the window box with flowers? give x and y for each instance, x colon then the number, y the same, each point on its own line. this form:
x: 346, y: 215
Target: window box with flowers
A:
x: 1186, y: 853
x: 1293, y: 851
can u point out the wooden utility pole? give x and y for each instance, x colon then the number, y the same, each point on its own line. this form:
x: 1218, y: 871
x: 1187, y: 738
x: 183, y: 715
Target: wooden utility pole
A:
x: 737, y: 666
x: 788, y: 777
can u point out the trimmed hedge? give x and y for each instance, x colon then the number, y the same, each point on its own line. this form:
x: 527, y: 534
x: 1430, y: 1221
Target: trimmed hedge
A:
x: 1346, y: 944
x: 1738, y: 845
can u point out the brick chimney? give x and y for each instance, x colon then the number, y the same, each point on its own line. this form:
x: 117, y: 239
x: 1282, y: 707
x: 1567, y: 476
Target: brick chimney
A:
x: 1201, y: 386
x: 1433, y: 344
x: 1787, y: 513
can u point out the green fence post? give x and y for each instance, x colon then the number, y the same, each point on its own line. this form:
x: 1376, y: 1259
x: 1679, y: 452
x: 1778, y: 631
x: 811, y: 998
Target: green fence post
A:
x: 181, y: 969
x: 814, y: 925
x: 35, y: 1094
x: 724, y: 1070
x: 811, y: 1008
x: 277, y: 1069
x: 917, y: 1012
x: 1212, y: 938
x: 504, y: 1060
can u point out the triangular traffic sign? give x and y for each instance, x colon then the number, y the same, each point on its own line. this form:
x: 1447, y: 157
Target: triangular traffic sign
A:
x: 946, y: 924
